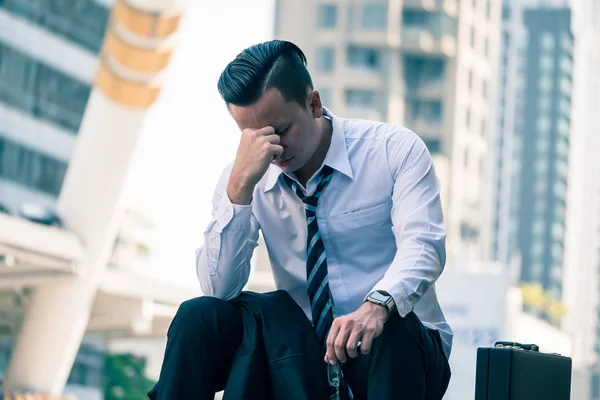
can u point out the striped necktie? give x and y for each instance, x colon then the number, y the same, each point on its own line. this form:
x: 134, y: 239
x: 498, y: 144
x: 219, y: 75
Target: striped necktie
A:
x: 316, y: 262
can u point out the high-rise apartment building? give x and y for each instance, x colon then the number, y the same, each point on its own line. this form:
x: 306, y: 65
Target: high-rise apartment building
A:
x: 426, y: 64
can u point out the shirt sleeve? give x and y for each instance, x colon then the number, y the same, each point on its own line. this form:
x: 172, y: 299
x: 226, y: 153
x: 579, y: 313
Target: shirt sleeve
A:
x: 223, y: 260
x: 418, y: 225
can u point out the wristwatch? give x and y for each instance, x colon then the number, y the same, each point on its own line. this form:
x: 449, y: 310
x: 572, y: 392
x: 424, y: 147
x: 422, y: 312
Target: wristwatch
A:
x: 384, y: 299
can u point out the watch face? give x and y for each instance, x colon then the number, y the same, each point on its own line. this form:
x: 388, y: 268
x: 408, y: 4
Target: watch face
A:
x: 379, y: 297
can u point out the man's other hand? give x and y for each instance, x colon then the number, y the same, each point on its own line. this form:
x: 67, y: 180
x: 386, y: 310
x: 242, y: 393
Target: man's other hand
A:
x: 363, y: 325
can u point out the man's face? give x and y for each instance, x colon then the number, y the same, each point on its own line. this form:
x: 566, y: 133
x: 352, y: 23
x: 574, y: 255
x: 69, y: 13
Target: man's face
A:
x: 295, y: 125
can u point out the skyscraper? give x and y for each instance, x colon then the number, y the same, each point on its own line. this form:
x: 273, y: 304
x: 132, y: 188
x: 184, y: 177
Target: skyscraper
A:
x: 427, y: 65
x: 546, y: 193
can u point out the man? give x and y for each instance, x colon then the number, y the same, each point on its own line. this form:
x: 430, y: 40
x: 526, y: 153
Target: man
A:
x: 350, y: 213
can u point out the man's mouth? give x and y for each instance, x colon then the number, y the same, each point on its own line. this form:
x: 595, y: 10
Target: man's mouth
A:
x: 283, y: 163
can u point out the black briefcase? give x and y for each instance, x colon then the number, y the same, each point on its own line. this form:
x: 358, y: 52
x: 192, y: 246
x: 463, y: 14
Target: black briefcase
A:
x: 514, y: 371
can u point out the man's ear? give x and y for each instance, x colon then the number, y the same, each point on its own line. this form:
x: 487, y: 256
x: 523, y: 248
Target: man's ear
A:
x: 314, y: 104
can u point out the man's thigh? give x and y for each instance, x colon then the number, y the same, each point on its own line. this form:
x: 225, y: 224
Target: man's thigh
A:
x: 383, y: 363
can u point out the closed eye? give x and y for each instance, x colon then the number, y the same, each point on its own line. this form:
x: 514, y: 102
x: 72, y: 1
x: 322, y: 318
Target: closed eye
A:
x: 282, y: 131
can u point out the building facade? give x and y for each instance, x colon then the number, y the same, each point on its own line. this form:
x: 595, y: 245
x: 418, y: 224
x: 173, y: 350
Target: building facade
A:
x: 48, y: 59
x: 427, y: 65
x: 532, y: 143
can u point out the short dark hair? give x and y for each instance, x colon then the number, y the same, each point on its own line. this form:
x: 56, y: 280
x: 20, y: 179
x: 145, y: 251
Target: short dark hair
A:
x: 275, y: 64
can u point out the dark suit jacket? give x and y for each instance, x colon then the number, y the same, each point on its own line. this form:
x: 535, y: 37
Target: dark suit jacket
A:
x: 280, y: 356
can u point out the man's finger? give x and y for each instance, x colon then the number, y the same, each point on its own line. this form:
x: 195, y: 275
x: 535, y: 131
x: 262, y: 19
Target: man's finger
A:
x: 273, y: 139
x: 266, y: 131
x: 342, y: 340
x: 366, y: 342
x: 351, y: 346
x: 331, y: 337
x: 277, y: 150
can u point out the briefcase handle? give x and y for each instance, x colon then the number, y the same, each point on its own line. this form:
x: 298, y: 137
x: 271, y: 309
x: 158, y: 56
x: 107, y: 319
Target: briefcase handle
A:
x: 517, y: 345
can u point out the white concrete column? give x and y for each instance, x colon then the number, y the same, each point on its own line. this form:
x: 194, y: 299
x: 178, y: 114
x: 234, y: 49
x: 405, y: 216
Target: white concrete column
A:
x: 127, y: 83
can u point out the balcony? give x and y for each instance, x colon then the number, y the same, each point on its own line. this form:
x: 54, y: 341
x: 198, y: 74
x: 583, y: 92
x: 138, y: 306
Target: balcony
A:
x: 419, y: 40
x: 428, y: 32
x: 450, y: 7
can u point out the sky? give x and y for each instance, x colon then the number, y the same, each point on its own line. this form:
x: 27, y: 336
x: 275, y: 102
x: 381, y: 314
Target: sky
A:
x: 189, y: 137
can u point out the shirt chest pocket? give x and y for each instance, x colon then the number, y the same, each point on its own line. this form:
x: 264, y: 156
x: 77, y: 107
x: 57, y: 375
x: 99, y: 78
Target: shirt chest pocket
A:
x: 376, y: 217
x: 361, y: 237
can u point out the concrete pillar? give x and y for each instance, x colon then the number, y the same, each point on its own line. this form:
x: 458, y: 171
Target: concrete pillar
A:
x: 137, y: 48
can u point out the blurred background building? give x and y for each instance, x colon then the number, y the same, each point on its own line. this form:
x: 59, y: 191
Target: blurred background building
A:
x: 428, y: 65
x: 63, y: 62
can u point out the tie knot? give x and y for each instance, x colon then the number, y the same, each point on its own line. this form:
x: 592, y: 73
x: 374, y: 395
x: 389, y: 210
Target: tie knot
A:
x: 322, y: 180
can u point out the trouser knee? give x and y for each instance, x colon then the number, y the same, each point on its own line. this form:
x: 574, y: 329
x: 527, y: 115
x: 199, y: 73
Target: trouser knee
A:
x: 205, y: 314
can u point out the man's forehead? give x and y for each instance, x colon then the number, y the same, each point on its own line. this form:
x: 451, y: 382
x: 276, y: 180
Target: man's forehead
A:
x: 270, y: 110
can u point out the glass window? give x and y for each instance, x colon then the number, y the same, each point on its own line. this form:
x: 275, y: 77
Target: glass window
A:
x: 546, y: 63
x: 547, y: 41
x: 363, y: 58
x: 565, y: 86
x: 545, y: 83
x: 360, y: 98
x: 472, y: 36
x: 433, y: 145
x: 545, y: 104
x: 537, y: 248
x: 557, y: 230
x: 556, y: 252
x: 565, y: 107
x: 488, y: 9
x: 422, y: 72
x: 562, y: 148
x: 541, y: 167
x: 543, y: 124
x: 327, y: 18
x: 325, y: 59
x: 563, y: 126
x: 505, y: 11
x: 415, y: 18
x: 560, y: 189
x: 538, y: 227
x: 40, y: 90
x: 428, y: 110
x: 562, y: 168
x: 30, y: 168
x: 81, y: 21
x: 374, y: 16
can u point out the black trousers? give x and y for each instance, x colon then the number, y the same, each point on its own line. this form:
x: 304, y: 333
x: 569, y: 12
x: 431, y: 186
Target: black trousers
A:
x: 406, y: 361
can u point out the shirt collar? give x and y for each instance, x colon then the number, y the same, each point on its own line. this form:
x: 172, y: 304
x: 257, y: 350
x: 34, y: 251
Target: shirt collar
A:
x: 336, y: 158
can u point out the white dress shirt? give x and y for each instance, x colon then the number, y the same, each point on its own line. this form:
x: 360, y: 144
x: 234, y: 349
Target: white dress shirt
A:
x: 380, y: 219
